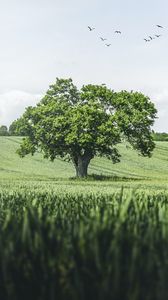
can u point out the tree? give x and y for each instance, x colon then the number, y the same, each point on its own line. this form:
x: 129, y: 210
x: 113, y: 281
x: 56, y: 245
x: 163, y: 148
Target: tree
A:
x: 3, y: 130
x: 18, y: 127
x: 160, y: 136
x: 80, y: 125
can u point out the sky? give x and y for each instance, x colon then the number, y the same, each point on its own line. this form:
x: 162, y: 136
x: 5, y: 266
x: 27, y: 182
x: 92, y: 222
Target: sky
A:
x: 45, y: 39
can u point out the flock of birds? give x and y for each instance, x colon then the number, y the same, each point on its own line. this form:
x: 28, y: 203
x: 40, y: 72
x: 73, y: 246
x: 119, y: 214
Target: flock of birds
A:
x: 150, y: 38
x: 147, y: 39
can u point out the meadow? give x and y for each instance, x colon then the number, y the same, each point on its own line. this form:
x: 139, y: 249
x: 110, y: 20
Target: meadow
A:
x: 101, y: 238
x: 133, y: 171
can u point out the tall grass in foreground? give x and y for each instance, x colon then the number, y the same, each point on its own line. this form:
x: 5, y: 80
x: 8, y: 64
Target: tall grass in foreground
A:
x: 84, y: 246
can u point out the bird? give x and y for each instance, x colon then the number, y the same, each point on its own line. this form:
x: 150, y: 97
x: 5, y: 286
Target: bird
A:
x: 157, y: 35
x: 118, y: 31
x: 159, y: 26
x: 146, y: 40
x: 103, y: 39
x: 108, y: 45
x: 91, y: 28
x: 151, y: 38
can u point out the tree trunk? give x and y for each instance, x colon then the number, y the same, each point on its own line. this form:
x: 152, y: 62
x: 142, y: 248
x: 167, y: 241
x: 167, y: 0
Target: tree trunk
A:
x: 81, y: 163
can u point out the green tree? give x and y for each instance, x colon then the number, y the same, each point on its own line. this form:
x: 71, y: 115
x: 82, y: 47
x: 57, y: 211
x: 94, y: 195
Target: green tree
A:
x: 160, y: 136
x: 80, y: 125
x: 3, y: 130
x: 18, y: 127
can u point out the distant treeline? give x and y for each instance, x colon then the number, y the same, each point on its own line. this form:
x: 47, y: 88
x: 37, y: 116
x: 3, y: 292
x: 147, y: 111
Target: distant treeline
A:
x: 160, y: 136
x: 17, y: 128
x: 4, y: 130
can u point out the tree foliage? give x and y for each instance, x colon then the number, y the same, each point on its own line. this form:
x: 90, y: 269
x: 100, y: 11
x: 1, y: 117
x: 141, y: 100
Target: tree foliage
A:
x: 3, y: 130
x: 160, y: 136
x: 18, y: 127
x: 81, y: 124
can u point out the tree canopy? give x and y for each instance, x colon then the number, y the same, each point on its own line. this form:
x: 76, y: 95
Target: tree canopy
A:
x: 160, y: 136
x: 81, y: 124
x: 18, y: 127
x: 3, y: 130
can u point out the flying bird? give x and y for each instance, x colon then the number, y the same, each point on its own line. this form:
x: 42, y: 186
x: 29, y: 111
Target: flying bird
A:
x: 118, y: 31
x: 146, y: 40
x: 91, y: 28
x: 151, y: 38
x: 159, y: 26
x: 108, y: 45
x: 103, y: 39
x: 157, y: 35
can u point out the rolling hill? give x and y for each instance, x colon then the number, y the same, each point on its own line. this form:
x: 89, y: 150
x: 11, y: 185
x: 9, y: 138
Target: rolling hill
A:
x: 133, y: 169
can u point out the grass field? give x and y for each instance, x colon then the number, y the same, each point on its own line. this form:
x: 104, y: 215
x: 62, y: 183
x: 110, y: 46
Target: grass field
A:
x: 79, y: 247
x: 68, y: 239
x: 134, y: 171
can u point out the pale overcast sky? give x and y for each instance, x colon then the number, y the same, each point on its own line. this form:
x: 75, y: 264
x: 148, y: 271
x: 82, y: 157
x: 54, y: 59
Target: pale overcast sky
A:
x: 45, y: 39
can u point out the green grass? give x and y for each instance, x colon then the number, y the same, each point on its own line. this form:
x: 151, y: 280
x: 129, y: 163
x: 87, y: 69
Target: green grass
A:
x: 78, y: 247
x: 63, y: 238
x: 133, y: 171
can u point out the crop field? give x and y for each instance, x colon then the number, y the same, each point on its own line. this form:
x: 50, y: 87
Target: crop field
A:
x: 55, y: 246
x: 101, y: 238
x: 133, y: 172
